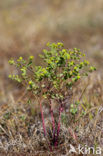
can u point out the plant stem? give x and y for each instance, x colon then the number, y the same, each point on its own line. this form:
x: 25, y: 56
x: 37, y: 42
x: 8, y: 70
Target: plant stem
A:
x: 42, y: 116
x: 52, y: 117
x: 58, y: 127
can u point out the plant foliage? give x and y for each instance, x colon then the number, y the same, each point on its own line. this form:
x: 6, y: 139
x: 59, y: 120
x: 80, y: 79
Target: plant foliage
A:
x: 61, y: 70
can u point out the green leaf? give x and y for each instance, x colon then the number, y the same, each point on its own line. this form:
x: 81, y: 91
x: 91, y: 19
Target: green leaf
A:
x: 11, y: 61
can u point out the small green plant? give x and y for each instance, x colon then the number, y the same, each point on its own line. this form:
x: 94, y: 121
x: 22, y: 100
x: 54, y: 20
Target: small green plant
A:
x: 74, y: 107
x: 61, y: 70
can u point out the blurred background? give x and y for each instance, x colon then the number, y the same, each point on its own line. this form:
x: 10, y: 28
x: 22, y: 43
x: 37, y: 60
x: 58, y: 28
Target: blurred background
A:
x: 26, y: 26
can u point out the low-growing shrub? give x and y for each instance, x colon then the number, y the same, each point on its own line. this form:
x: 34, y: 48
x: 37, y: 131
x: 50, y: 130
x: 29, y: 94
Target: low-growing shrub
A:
x: 61, y: 70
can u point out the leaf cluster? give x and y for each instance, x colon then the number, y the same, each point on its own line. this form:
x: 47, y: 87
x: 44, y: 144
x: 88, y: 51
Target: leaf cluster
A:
x: 62, y: 69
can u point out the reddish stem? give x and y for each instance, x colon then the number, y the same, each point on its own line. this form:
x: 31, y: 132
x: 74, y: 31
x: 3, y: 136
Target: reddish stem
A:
x: 53, y: 121
x: 58, y: 127
x: 43, y: 123
x: 42, y: 116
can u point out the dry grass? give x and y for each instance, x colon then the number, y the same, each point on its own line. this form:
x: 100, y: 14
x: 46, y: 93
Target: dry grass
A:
x: 25, y: 27
x: 20, y: 122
